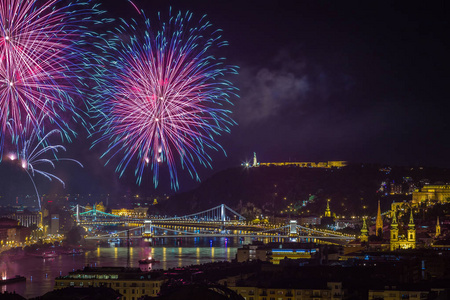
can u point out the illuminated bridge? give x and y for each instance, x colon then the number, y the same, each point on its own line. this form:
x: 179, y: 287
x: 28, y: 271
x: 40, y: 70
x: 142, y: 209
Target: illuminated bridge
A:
x: 220, y: 221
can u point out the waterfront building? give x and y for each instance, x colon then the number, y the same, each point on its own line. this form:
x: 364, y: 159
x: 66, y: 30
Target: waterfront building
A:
x: 430, y: 194
x: 27, y: 218
x: 276, y: 252
x: 132, y: 283
x: 54, y: 223
x: 398, y: 241
x: 11, y: 232
x: 252, y: 252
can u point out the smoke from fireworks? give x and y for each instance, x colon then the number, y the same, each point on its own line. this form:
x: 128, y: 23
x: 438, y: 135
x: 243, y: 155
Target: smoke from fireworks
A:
x: 165, y: 95
x: 34, y: 150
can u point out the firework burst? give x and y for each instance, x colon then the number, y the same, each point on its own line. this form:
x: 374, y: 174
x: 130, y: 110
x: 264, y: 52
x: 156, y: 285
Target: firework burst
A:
x: 34, y: 150
x: 165, y: 96
x: 40, y: 61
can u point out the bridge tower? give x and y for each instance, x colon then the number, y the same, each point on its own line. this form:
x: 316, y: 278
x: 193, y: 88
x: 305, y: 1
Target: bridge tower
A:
x: 148, y: 229
x: 222, y: 213
x: 293, y: 235
x: 78, y: 213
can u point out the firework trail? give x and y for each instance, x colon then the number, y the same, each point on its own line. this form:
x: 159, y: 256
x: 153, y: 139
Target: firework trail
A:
x: 41, y: 59
x: 34, y: 150
x: 165, y: 97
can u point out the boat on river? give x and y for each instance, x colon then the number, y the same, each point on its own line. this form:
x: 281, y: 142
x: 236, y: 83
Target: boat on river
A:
x: 49, y: 254
x: 17, y: 278
x: 148, y: 260
x: 73, y: 251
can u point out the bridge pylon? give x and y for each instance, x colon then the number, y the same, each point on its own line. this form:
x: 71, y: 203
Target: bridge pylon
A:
x: 293, y: 234
x: 148, y: 229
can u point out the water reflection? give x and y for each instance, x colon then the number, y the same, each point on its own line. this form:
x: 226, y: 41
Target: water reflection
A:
x: 168, y: 253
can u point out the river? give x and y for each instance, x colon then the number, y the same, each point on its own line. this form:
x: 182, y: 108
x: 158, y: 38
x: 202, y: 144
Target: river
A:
x: 40, y: 273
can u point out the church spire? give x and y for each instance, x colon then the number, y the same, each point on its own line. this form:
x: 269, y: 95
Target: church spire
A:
x: 438, y: 227
x: 364, y: 237
x: 411, y: 220
x: 379, y: 222
x: 394, y: 219
x: 328, y: 210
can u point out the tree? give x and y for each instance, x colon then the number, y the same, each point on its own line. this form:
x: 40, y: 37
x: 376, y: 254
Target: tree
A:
x: 75, y: 235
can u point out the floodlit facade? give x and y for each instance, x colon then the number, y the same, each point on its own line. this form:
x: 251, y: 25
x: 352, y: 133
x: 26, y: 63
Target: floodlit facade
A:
x: 327, y: 165
x: 407, y: 241
x: 137, y: 212
x: 430, y: 194
x: 132, y: 283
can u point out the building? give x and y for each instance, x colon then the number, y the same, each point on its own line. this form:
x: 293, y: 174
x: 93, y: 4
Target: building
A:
x: 27, y: 218
x: 137, y: 212
x: 309, y: 220
x: 326, y: 165
x: 11, y: 233
x: 252, y: 252
x: 396, y: 188
x: 430, y: 194
x: 305, y: 290
x: 398, y: 241
x: 276, y: 252
x: 54, y: 223
x: 397, y: 294
x: 132, y: 283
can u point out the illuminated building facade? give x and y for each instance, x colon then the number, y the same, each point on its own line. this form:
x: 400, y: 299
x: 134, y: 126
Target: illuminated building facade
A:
x: 430, y: 194
x: 28, y: 219
x: 11, y: 232
x: 137, y: 212
x: 327, y: 165
x: 97, y: 206
x: 132, y: 283
x: 398, y: 241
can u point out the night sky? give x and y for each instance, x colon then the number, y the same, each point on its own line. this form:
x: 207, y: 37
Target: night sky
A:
x: 362, y: 81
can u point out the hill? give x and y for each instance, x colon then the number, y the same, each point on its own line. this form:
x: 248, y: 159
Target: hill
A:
x: 354, y: 189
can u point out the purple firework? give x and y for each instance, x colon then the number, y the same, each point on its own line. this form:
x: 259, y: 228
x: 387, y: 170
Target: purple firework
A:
x: 165, y: 97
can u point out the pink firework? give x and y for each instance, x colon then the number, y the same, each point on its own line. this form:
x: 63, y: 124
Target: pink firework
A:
x: 166, y: 96
x: 39, y: 60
